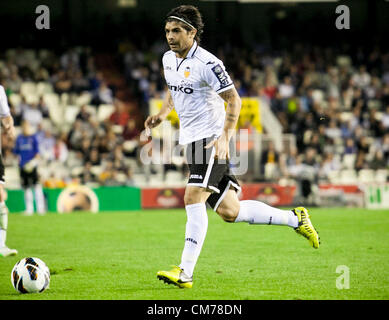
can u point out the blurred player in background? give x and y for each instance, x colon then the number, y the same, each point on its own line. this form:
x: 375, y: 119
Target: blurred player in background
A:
x: 27, y: 148
x: 8, y: 126
x: 198, y: 87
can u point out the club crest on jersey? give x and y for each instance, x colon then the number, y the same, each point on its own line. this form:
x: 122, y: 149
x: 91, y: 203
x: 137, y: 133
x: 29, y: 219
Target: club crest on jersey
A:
x: 187, y: 72
x: 220, y: 74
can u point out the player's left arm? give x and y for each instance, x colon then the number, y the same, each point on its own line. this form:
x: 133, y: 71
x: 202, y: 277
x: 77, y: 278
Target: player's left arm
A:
x: 234, y: 104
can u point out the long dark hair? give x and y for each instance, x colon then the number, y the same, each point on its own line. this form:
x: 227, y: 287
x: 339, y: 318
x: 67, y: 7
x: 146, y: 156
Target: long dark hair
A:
x: 191, y: 15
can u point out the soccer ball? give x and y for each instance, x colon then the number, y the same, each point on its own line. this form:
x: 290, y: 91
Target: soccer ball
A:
x: 30, y: 275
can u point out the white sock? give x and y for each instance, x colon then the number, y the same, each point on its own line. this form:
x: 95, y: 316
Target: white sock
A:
x: 3, y: 224
x: 29, y: 200
x: 39, y: 198
x: 196, y: 229
x: 257, y: 212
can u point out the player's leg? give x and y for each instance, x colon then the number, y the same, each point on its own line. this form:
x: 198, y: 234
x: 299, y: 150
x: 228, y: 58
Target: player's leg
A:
x: 231, y: 209
x: 196, y: 194
x: 39, y: 196
x: 195, y: 232
x: 228, y: 206
x: 4, y: 250
x: 28, y: 194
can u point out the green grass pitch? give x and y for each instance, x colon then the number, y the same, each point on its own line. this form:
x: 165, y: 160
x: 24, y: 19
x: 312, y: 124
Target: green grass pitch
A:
x: 115, y: 255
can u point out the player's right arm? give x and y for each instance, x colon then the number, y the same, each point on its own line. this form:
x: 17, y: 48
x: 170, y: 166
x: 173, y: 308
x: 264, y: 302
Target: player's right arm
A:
x: 8, y: 125
x: 6, y: 118
x: 167, y: 107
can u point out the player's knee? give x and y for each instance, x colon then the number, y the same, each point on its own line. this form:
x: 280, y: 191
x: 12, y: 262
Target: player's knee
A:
x: 228, y: 214
x: 192, y: 196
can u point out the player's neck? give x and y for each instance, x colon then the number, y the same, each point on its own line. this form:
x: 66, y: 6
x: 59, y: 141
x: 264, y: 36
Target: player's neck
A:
x: 184, y: 53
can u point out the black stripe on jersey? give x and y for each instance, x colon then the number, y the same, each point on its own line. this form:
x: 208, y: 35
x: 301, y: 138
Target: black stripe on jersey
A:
x: 224, y: 87
x: 180, y: 63
x: 194, y: 50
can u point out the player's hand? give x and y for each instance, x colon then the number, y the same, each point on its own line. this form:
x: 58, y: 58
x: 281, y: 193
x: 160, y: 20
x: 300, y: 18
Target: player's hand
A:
x: 152, y: 122
x: 221, y: 147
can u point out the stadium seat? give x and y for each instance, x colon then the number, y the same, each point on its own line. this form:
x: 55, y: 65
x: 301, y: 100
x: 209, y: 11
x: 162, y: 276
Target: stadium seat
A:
x: 71, y: 112
x: 348, y: 176
x: 334, y: 176
x: 381, y: 175
x: 83, y: 98
x: 130, y: 145
x: 15, y: 99
x: 44, y: 87
x: 118, y: 129
x: 174, y: 178
x: 32, y: 98
x: 96, y: 170
x: 156, y: 180
x: 346, y: 116
x: 140, y: 180
x: 349, y: 161
x: 92, y: 110
x: 77, y: 171
x: 28, y: 87
x: 51, y: 99
x: 121, y: 177
x: 12, y: 177
x: 318, y: 95
x: 366, y: 176
x: 56, y: 114
x: 104, y: 111
x: 64, y: 98
x: 270, y: 171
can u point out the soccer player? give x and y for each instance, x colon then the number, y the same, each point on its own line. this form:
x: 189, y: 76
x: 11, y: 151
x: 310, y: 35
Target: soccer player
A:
x: 27, y: 148
x: 8, y: 125
x: 198, y: 87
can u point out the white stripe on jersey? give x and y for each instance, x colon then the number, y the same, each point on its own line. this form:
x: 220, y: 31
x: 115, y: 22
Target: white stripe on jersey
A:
x: 195, y: 83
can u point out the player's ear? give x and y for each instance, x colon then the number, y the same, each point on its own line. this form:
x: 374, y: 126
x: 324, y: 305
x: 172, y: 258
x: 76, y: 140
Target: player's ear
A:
x: 193, y: 33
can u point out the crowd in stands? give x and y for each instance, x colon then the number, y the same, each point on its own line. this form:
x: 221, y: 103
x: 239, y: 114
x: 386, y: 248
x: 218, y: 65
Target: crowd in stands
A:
x: 89, y: 149
x: 335, y: 103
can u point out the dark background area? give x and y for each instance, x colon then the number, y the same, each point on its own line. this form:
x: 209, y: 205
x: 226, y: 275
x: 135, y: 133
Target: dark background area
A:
x: 102, y: 24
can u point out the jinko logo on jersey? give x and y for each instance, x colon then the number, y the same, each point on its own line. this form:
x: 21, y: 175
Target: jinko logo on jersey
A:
x: 180, y: 89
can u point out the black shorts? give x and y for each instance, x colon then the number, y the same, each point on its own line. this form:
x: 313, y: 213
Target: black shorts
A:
x: 29, y: 179
x: 2, y: 180
x: 207, y: 172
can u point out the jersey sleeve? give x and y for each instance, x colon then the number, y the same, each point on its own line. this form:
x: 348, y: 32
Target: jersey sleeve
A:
x: 4, y: 108
x: 216, y: 76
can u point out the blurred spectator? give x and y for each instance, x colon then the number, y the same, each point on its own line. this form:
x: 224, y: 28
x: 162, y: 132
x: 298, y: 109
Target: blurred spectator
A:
x: 60, y: 149
x: 62, y: 83
x: 102, y: 95
x: 378, y: 161
x: 87, y: 176
x: 33, y: 115
x: 350, y: 147
x: 270, y: 155
x: 43, y: 108
x: 83, y: 114
x: 120, y: 115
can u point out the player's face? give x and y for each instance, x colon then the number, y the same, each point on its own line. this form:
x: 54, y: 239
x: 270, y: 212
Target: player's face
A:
x: 179, y: 39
